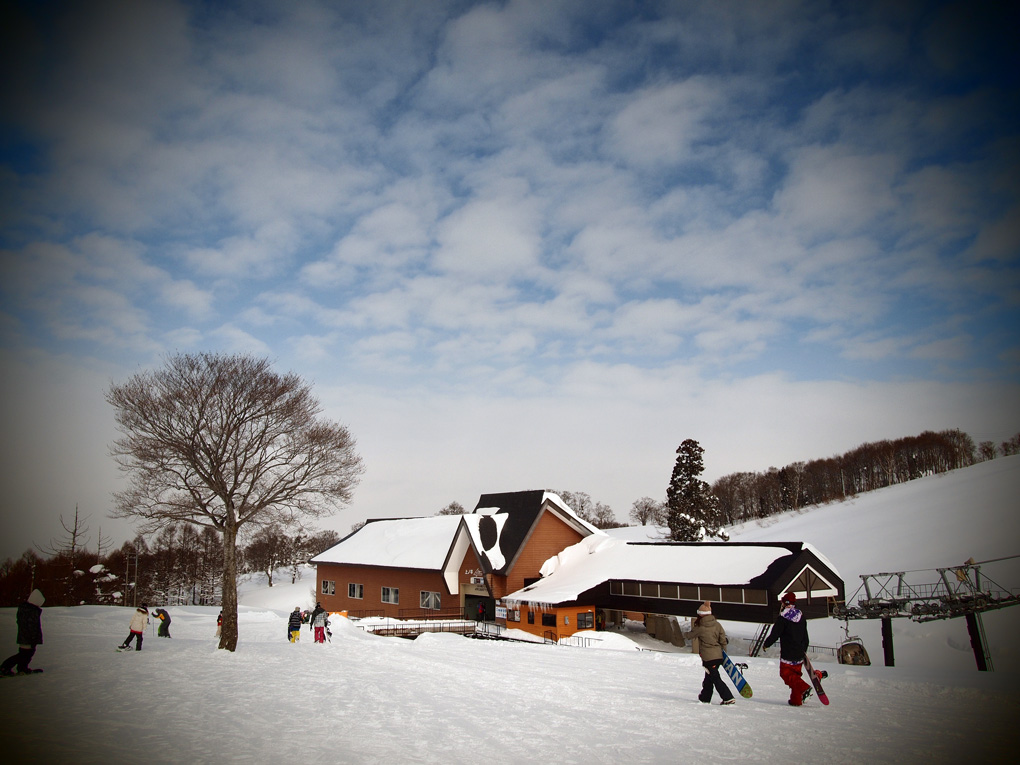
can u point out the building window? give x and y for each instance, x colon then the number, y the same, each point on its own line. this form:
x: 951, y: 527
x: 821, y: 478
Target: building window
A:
x: 513, y: 615
x: 710, y: 594
x: 356, y: 591
x: 430, y: 600
x: 531, y: 617
x: 586, y: 621
x: 328, y: 587
x: 548, y: 620
x: 390, y: 595
x: 731, y: 595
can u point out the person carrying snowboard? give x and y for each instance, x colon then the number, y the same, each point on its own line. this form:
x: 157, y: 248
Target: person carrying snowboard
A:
x: 29, y: 636
x: 294, y: 625
x: 791, y: 631
x: 712, y: 640
x: 319, y: 622
x: 139, y: 619
x: 164, y: 622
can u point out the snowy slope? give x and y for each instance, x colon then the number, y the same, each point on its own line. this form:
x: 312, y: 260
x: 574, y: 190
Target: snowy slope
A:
x: 447, y: 699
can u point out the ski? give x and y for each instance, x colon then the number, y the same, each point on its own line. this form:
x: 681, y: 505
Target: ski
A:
x: 739, y: 682
x: 816, y: 681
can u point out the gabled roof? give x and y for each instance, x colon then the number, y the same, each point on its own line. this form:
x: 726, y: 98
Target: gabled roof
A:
x: 420, y: 543
x: 506, y: 521
x: 497, y: 530
x: 596, y: 560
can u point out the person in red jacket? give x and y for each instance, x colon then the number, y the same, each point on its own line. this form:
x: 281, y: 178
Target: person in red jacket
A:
x: 790, y: 630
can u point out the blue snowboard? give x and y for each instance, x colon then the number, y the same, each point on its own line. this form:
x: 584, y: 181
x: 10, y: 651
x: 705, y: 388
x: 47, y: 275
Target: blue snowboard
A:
x: 738, y: 679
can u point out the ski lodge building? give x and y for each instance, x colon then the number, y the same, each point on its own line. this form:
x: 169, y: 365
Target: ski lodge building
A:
x: 527, y: 561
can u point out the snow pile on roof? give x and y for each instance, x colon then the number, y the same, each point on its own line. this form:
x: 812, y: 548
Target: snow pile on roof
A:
x: 597, y: 559
x: 398, y: 543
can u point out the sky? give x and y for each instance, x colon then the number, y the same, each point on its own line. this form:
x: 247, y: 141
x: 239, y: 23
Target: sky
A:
x: 510, y: 245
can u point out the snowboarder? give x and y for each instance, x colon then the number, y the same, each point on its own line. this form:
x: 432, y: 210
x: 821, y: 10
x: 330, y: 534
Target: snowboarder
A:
x: 164, y: 622
x: 29, y: 636
x: 139, y: 619
x: 294, y: 625
x: 481, y: 611
x: 320, y: 621
x: 712, y: 640
x: 791, y: 631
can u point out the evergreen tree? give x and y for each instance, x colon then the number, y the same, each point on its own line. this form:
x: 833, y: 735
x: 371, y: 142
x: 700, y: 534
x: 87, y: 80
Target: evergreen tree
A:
x: 691, y: 508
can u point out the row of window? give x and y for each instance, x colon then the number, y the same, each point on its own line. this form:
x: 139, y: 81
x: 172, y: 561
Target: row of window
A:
x: 391, y: 595
x: 689, y: 592
x: 585, y: 621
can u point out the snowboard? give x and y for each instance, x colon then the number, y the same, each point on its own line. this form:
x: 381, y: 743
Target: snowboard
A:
x: 735, y: 675
x: 18, y: 674
x: 819, y: 691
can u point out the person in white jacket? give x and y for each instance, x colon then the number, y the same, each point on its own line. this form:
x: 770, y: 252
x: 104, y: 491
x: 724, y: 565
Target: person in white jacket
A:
x: 139, y: 620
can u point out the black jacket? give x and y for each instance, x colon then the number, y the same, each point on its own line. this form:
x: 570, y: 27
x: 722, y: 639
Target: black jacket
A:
x: 29, y: 624
x: 294, y: 622
x: 791, y: 632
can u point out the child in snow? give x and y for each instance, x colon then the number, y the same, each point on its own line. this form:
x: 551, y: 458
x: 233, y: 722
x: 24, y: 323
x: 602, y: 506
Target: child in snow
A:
x: 711, y: 639
x: 29, y: 635
x: 294, y: 625
x: 139, y: 619
x: 319, y: 623
x: 790, y: 630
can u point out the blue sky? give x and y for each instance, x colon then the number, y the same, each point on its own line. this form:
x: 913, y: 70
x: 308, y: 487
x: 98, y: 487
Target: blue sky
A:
x: 512, y: 245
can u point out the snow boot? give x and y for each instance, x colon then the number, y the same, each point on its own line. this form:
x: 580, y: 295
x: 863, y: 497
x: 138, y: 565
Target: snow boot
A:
x: 727, y: 702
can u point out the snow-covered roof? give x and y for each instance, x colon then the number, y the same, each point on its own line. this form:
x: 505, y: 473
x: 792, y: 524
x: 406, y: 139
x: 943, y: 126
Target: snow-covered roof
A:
x: 597, y: 559
x: 397, y: 543
x: 498, y: 529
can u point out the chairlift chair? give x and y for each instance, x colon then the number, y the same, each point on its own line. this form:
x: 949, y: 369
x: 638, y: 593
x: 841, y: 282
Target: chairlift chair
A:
x: 851, y: 649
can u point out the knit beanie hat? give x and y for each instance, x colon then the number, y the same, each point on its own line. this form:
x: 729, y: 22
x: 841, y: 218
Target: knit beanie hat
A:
x: 705, y: 608
x: 36, y: 598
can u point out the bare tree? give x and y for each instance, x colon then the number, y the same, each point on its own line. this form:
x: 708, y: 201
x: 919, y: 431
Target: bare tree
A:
x: 646, y: 510
x: 454, y: 508
x: 223, y: 441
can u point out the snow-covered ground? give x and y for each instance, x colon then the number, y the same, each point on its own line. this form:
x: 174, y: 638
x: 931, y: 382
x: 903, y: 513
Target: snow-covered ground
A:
x: 449, y: 699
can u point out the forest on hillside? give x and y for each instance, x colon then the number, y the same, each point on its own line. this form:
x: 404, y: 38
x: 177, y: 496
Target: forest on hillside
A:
x: 180, y: 565
x: 756, y: 495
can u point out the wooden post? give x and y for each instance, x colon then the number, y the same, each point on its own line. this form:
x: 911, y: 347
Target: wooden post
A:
x: 887, y: 643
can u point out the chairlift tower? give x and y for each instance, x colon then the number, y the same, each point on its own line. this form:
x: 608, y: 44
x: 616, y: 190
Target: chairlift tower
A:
x: 956, y: 591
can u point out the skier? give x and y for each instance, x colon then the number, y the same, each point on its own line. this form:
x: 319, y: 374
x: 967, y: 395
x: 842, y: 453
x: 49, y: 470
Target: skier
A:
x: 712, y: 640
x: 164, y: 622
x: 29, y: 636
x: 319, y: 622
x: 294, y: 625
x: 791, y: 631
x: 139, y: 619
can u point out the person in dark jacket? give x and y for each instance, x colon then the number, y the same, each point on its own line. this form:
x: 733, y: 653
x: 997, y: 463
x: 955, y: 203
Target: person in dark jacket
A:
x: 164, y: 622
x: 790, y: 630
x: 294, y: 625
x: 712, y: 641
x: 29, y: 635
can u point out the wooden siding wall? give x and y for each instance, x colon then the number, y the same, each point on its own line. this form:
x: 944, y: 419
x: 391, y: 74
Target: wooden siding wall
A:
x: 549, y: 537
x: 410, y: 582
